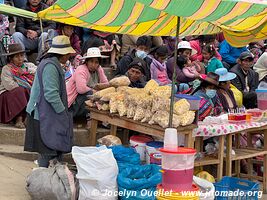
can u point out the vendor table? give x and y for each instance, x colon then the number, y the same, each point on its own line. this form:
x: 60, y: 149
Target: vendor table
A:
x: 129, y: 124
x: 234, y: 130
x: 116, y: 121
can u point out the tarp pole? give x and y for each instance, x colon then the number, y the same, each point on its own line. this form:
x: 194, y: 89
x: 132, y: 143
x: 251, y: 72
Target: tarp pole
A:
x: 42, y: 38
x: 174, y: 72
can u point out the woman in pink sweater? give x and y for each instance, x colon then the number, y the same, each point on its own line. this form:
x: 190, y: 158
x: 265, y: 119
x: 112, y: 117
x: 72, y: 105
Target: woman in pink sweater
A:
x: 84, y: 81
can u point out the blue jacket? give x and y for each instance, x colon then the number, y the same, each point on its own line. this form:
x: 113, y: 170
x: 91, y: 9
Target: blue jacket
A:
x: 230, y: 54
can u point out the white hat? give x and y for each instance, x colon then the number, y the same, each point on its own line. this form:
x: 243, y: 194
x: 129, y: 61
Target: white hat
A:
x: 61, y: 45
x: 186, y: 45
x: 93, y: 52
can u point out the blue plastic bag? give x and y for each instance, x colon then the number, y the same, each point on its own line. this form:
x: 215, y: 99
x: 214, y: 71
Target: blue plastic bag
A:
x: 125, y: 156
x: 139, y: 182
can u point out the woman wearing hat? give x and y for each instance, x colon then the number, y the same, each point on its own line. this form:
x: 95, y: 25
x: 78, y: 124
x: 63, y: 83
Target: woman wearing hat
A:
x: 84, y: 81
x: 224, y: 92
x: 210, y: 104
x: 184, y: 50
x: 16, y: 81
x: 49, y: 124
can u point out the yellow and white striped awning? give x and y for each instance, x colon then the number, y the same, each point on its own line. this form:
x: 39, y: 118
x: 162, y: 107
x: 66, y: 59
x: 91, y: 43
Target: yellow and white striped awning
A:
x: 242, y: 21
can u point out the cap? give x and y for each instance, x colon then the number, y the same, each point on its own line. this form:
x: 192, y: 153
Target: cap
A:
x: 245, y: 55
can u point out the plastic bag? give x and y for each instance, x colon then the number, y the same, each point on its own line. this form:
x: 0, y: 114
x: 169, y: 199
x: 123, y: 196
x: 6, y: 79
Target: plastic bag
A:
x: 101, y: 93
x: 120, y: 81
x: 135, y: 180
x: 97, y: 172
x: 238, y: 95
x: 262, y: 85
x: 151, y: 86
x: 109, y: 140
x: 125, y: 156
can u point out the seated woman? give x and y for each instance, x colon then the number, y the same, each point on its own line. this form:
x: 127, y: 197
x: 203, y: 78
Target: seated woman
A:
x: 110, y: 47
x: 136, y: 73
x: 84, y: 81
x: 224, y: 92
x: 210, y: 104
x: 16, y: 81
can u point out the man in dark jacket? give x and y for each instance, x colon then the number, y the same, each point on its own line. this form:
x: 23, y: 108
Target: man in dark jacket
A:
x: 247, y: 80
x: 136, y: 73
x: 143, y: 45
x: 29, y: 33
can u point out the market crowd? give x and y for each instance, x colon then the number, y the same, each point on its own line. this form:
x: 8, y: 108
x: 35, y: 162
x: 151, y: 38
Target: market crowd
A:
x: 70, y: 65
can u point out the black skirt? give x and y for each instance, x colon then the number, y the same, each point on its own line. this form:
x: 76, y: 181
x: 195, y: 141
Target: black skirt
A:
x: 33, y: 141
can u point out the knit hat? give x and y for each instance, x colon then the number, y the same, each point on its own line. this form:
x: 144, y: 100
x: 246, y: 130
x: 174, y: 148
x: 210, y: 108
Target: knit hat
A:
x: 138, y: 63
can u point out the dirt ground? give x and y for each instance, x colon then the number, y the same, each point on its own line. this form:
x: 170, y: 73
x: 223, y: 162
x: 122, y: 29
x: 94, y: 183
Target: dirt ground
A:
x: 13, y: 173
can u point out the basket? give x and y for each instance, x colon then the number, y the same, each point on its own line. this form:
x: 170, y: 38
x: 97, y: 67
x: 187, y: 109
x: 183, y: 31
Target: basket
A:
x: 231, y: 188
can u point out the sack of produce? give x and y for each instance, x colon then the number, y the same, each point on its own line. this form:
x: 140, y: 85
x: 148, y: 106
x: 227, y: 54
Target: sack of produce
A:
x: 120, y: 81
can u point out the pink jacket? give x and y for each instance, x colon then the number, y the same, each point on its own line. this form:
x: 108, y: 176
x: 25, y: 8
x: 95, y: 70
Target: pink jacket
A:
x: 159, y: 72
x: 78, y: 82
x: 198, y: 56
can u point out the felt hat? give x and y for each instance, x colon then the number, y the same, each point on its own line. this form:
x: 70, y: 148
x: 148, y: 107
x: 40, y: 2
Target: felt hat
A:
x: 14, y: 49
x: 211, y: 78
x: 61, y: 45
x: 93, y: 52
x: 225, y: 75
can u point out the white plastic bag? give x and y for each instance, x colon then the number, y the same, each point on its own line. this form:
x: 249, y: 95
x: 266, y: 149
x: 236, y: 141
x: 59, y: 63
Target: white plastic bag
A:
x: 97, y: 172
x: 206, y: 187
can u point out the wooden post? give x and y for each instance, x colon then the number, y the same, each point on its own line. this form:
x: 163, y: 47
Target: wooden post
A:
x: 93, y: 130
x: 237, y: 162
x: 229, y: 155
x: 220, y: 157
x: 199, y: 144
x: 189, y: 139
x: 113, y: 130
x: 125, y: 136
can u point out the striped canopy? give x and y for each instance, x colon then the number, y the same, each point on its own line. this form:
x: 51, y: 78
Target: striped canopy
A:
x: 11, y: 10
x: 242, y: 21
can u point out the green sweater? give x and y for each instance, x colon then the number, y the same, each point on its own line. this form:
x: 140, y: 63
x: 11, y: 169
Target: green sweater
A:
x: 213, y: 64
x: 51, y: 91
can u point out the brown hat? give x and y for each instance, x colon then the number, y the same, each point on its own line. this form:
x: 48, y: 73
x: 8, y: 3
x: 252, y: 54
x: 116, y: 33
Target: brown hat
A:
x: 211, y: 78
x: 14, y: 49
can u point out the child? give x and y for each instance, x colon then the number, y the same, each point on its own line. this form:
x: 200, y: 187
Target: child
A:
x: 212, y: 63
x: 158, y: 67
x: 190, y: 70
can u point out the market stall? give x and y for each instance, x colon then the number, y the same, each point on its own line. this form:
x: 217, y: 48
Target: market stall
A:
x: 230, y: 130
x: 116, y: 121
